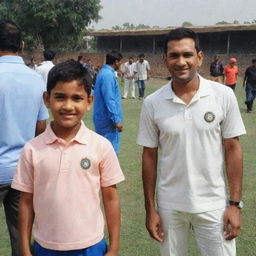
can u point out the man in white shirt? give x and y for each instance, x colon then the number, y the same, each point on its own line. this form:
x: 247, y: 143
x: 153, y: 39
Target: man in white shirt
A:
x: 129, y: 81
x: 196, y: 124
x: 142, y: 69
x: 44, y: 67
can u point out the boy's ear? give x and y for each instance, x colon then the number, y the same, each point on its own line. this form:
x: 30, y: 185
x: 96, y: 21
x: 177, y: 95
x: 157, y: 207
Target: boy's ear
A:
x: 46, y: 97
x: 90, y: 101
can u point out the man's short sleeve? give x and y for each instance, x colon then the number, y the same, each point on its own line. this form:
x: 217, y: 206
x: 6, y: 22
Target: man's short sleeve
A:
x: 110, y: 170
x: 148, y: 130
x: 23, y: 177
x: 232, y: 125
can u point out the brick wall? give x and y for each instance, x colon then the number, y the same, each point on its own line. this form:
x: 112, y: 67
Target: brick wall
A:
x: 158, y: 68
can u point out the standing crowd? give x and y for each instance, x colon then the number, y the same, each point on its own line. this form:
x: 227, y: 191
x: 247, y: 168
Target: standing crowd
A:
x: 51, y: 175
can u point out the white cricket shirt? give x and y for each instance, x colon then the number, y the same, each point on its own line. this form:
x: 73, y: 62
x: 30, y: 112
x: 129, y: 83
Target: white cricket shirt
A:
x: 190, y: 139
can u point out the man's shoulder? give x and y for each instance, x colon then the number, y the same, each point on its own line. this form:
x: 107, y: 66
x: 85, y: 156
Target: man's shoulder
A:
x: 159, y: 94
x: 218, y: 89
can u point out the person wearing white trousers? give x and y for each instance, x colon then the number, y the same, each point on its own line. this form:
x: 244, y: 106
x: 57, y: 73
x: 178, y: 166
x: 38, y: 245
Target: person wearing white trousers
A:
x: 129, y: 80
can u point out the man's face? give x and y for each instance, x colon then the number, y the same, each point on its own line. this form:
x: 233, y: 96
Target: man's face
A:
x: 130, y: 61
x: 142, y: 59
x: 217, y: 58
x: 182, y: 60
x: 254, y: 65
x: 117, y: 64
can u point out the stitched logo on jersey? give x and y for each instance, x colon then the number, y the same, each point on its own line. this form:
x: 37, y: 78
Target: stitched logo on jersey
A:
x: 85, y: 163
x: 209, y: 117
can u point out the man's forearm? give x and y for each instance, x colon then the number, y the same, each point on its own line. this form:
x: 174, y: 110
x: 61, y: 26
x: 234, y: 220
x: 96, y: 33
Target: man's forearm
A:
x: 234, y: 168
x: 149, y: 176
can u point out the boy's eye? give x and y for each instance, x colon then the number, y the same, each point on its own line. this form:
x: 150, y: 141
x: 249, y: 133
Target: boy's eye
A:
x: 59, y: 97
x: 77, y: 98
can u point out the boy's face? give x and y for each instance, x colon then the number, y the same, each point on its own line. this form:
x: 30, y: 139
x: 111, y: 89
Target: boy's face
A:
x: 68, y: 102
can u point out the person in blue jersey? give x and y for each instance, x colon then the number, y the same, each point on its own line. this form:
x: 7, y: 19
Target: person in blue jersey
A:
x: 22, y: 117
x: 107, y: 111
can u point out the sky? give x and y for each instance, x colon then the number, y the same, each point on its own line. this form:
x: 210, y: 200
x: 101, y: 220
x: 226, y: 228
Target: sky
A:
x: 164, y: 13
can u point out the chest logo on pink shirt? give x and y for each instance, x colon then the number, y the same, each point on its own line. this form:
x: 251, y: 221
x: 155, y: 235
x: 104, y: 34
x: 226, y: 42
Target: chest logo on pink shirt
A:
x: 85, y: 163
x: 209, y: 117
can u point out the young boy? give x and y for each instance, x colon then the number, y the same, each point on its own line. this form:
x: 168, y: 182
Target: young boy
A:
x: 61, y: 172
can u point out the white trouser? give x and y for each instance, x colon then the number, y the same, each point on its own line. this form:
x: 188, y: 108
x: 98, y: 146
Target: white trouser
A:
x: 208, y: 230
x: 129, y: 83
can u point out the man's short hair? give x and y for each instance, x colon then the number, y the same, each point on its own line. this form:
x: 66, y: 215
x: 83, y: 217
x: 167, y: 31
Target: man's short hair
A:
x: 10, y: 36
x: 181, y: 33
x: 69, y: 71
x: 142, y: 55
x: 112, y: 57
x: 49, y: 54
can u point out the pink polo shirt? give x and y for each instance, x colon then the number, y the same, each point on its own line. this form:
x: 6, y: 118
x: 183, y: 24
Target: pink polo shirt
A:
x: 66, y: 180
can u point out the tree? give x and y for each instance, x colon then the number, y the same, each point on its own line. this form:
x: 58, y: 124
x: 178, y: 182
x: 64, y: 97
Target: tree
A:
x: 54, y: 23
x: 187, y: 24
x: 222, y: 22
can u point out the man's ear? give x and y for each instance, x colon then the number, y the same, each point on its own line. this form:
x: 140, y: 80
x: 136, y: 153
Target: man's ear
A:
x: 200, y: 56
x: 22, y: 45
x: 46, y: 97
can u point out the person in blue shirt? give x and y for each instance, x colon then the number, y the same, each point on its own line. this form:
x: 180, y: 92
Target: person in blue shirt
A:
x: 107, y: 111
x: 22, y: 116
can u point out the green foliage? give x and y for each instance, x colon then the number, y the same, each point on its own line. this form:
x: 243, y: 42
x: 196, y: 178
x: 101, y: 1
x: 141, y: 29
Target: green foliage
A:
x: 187, y: 24
x: 222, y: 22
x: 128, y: 26
x: 52, y: 23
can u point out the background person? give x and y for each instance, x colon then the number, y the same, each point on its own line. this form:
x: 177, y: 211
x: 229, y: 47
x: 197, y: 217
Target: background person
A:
x: 107, y: 110
x: 61, y: 173
x: 250, y: 88
x: 22, y: 116
x: 129, y: 80
x: 216, y: 70
x: 186, y: 119
x: 231, y: 72
x: 44, y: 67
x: 142, y: 70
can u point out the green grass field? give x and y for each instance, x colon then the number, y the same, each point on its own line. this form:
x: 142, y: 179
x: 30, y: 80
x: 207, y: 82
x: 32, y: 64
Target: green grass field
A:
x: 134, y: 238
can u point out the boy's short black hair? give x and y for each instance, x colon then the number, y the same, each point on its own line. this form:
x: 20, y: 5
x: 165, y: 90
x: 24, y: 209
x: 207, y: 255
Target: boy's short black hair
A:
x: 49, y: 54
x: 68, y: 71
x: 112, y: 57
x: 10, y: 36
x: 181, y: 33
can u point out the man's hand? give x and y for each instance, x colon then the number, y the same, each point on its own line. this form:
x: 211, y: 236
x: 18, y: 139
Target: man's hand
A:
x: 154, y: 226
x: 232, y: 222
x: 119, y: 127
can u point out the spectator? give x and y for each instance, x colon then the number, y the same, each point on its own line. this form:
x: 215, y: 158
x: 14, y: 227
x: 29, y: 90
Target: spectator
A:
x: 22, y: 116
x: 231, y: 72
x: 142, y: 68
x: 107, y: 112
x: 44, y: 67
x: 250, y: 82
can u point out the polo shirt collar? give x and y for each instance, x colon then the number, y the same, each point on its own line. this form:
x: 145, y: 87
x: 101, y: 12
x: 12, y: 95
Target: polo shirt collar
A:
x: 81, y: 137
x: 203, y: 90
x: 11, y: 59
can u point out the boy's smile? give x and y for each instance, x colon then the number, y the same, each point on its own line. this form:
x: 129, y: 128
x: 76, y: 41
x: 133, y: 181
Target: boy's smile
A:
x: 68, y: 102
